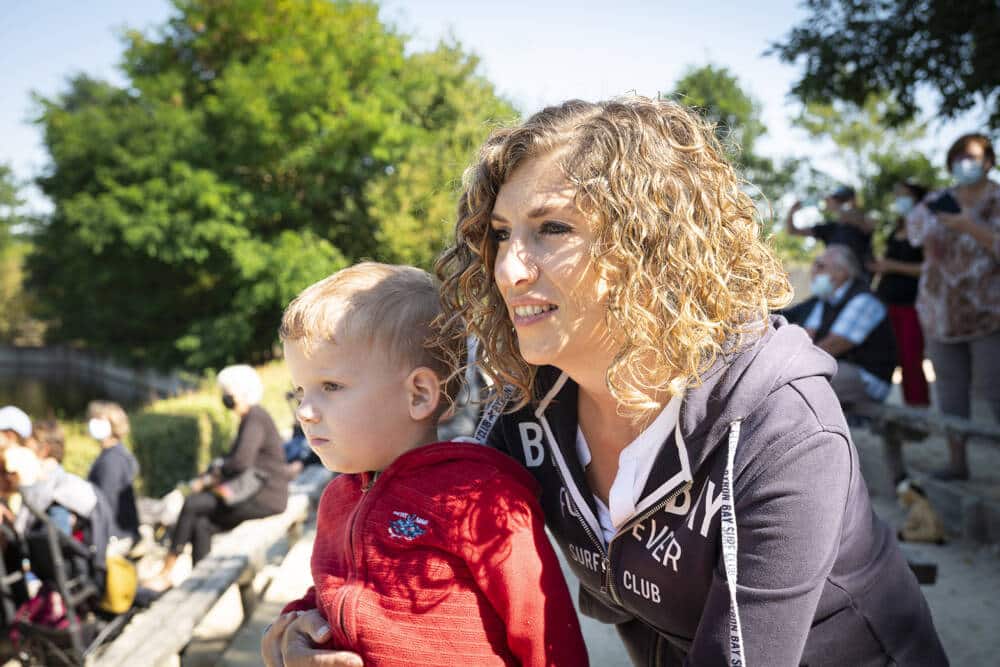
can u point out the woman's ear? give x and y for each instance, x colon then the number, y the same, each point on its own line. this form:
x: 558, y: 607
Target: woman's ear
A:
x: 424, y: 389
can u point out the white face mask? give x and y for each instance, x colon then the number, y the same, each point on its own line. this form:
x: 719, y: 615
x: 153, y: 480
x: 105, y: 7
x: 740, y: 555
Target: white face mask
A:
x: 99, y: 428
x: 821, y: 286
x: 902, y: 205
x: 967, y: 171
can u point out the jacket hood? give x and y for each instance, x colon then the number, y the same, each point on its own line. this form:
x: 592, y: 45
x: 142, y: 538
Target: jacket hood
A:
x: 739, y: 382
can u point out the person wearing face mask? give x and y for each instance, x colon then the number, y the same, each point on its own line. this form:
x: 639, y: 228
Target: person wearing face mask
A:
x: 898, y: 272
x: 958, y: 299
x: 257, y: 446
x: 848, y: 224
x: 114, y: 471
x: 851, y: 324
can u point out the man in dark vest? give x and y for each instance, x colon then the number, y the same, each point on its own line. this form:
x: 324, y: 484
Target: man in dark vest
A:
x: 851, y: 324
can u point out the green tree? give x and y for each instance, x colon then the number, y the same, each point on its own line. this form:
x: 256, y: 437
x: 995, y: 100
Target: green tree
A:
x: 17, y: 324
x: 848, y: 48
x: 257, y: 146
x: 877, y: 153
x: 718, y: 94
x: 10, y: 202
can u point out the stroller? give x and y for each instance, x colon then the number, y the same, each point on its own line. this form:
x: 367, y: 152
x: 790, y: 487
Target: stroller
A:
x: 64, y: 623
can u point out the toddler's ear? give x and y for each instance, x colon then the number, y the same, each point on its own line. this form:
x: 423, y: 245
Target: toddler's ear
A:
x: 424, y: 389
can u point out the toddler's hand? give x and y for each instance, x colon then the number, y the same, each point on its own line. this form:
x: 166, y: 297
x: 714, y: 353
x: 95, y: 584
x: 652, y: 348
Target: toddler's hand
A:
x: 270, y: 643
x: 292, y: 639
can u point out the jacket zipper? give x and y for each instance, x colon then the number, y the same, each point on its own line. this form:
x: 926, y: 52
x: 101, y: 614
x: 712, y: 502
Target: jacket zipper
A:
x: 590, y: 533
x: 609, y: 576
x: 365, y: 488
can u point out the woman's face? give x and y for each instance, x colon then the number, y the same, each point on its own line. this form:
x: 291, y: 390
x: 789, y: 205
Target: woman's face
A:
x: 973, y: 155
x: 554, y: 294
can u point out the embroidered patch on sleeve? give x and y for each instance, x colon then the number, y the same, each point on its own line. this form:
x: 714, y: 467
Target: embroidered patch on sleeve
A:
x: 407, y: 526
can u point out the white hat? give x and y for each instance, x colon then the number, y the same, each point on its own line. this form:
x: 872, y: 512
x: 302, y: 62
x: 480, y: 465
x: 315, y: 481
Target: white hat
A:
x: 14, y: 419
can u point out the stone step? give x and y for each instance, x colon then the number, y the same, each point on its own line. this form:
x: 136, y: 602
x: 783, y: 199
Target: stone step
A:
x: 970, y: 509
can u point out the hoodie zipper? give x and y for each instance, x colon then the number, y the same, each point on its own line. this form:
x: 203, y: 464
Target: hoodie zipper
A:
x: 590, y: 534
x: 609, y: 578
x: 352, y: 557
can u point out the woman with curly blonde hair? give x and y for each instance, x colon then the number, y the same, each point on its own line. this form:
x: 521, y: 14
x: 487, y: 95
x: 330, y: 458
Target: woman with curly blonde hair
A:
x: 694, y: 462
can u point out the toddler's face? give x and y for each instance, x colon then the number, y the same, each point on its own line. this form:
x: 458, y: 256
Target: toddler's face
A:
x: 353, y: 404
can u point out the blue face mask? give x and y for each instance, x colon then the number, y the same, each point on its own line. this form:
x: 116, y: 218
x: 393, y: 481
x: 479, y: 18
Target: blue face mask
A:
x: 967, y: 171
x: 902, y: 205
x: 821, y: 286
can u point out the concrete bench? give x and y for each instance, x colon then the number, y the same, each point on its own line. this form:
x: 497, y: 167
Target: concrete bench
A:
x: 968, y: 512
x: 157, y: 635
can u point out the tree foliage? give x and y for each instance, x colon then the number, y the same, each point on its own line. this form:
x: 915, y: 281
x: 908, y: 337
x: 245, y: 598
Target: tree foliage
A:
x: 257, y: 146
x: 17, y: 324
x: 878, y: 154
x: 10, y: 202
x: 848, y: 48
x: 717, y: 93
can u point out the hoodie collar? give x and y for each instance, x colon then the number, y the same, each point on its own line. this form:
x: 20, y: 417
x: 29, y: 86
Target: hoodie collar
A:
x: 730, y: 390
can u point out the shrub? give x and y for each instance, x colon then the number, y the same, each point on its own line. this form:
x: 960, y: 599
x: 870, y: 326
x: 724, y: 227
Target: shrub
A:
x: 176, y: 438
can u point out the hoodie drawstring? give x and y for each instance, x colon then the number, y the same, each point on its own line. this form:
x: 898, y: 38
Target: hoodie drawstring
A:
x: 730, y: 549
x: 492, y: 413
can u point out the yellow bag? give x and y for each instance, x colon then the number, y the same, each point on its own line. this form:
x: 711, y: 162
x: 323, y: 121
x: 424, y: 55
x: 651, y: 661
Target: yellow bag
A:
x: 120, y: 586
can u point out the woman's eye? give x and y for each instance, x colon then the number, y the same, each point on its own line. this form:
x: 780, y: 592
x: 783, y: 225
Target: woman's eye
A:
x: 331, y: 386
x: 554, y: 227
x: 499, y: 235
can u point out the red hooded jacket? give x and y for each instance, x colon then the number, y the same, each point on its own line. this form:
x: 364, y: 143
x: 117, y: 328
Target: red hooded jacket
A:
x: 442, y: 560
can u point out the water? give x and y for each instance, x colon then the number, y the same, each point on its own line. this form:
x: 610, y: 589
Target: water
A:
x: 44, y: 393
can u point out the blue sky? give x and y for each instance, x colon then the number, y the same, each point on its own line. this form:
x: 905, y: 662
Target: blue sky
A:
x: 535, y: 52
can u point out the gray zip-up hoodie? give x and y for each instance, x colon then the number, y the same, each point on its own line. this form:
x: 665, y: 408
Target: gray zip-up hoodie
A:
x: 819, y: 579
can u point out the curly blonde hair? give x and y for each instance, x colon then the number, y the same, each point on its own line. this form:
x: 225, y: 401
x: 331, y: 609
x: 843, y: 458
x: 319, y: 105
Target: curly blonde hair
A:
x: 678, y: 239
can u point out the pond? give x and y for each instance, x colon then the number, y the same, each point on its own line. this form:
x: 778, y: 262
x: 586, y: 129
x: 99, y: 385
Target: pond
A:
x: 44, y: 393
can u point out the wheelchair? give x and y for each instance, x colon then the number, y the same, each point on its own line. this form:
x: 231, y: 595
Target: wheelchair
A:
x: 72, y: 573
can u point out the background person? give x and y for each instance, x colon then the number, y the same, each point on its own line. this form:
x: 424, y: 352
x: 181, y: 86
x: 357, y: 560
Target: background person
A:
x: 15, y: 426
x: 114, y: 470
x: 852, y: 325
x: 958, y: 300
x: 847, y: 225
x: 15, y: 431
x: 898, y: 274
x: 257, y: 445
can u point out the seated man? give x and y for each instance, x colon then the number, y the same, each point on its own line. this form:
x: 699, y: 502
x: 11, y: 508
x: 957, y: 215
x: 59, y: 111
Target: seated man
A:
x: 851, y: 324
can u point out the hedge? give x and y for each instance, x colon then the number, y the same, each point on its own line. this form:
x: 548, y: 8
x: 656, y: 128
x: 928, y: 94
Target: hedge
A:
x: 176, y: 438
